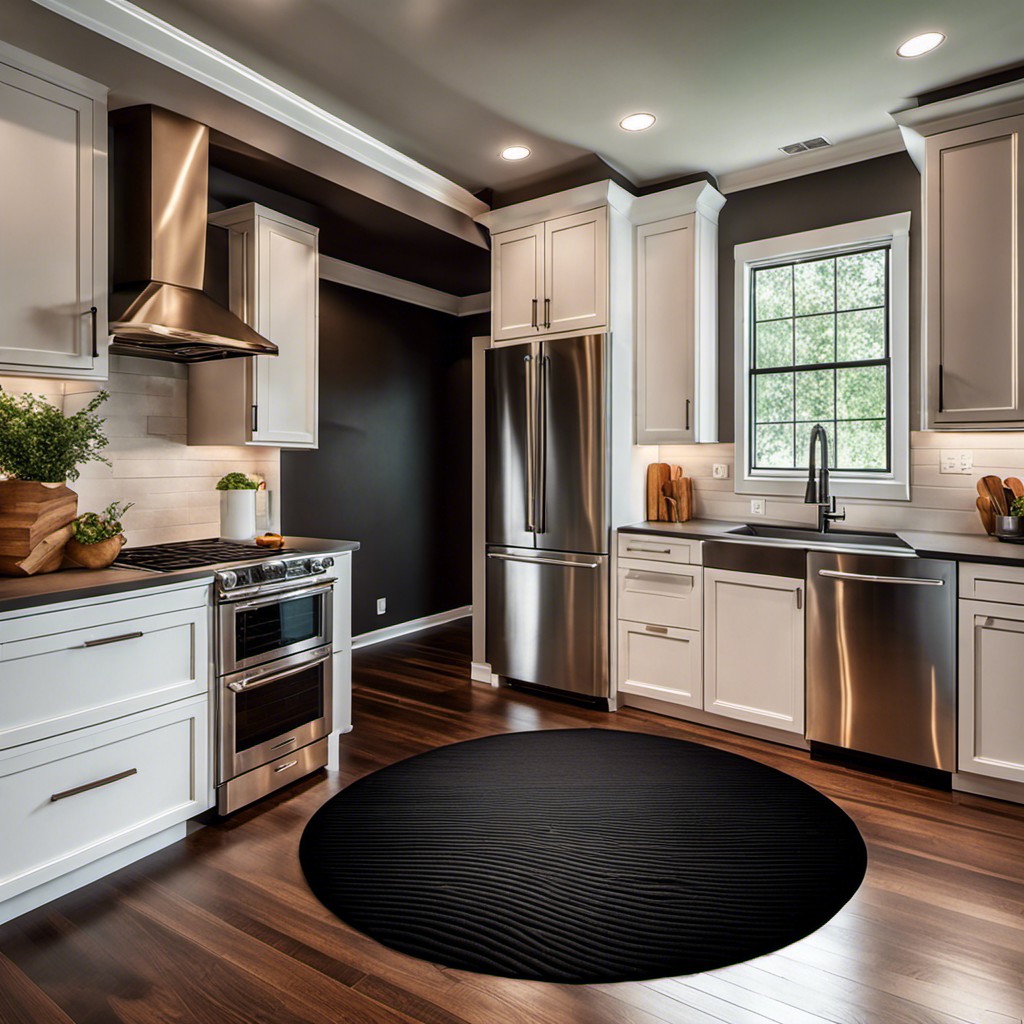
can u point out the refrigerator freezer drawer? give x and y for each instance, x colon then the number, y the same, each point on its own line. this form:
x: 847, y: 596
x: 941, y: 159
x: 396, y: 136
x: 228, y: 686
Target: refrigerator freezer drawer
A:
x: 547, y: 619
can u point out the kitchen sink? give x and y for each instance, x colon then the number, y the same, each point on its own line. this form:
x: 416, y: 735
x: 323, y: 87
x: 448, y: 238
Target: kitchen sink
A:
x: 808, y: 538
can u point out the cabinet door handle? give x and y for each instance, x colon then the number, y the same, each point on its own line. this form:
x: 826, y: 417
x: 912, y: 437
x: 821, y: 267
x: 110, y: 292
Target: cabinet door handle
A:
x: 941, y: 402
x: 656, y: 629
x: 93, y: 785
x: 93, y: 312
x: 799, y: 598
x: 112, y: 639
x: 687, y: 414
x: 286, y: 766
x: 533, y: 319
x: 651, y: 551
x: 255, y: 417
x: 547, y: 314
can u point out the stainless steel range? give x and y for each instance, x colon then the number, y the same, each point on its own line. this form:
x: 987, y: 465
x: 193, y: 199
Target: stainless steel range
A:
x: 273, y: 659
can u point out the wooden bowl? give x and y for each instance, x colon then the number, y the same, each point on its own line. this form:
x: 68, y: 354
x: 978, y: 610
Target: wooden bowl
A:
x: 94, y: 556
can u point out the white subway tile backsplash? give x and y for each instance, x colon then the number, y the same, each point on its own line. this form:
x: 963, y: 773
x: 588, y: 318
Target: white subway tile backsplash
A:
x: 171, y: 482
x: 939, y: 501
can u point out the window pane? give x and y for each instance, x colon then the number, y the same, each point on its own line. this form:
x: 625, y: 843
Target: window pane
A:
x: 814, y: 286
x: 774, y: 400
x: 862, y: 444
x: 773, y: 289
x: 860, y: 279
x: 861, y: 392
x: 774, y: 344
x: 815, y: 339
x: 803, y: 444
x: 773, y: 446
x: 815, y: 395
x: 860, y: 335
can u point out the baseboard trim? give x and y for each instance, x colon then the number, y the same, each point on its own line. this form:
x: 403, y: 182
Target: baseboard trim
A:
x: 982, y: 785
x: 376, y: 636
x: 480, y: 672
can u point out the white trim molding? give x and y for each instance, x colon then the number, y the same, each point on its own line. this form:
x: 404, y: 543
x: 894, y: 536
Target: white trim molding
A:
x: 375, y: 636
x: 850, y: 152
x: 131, y: 26
x: 351, y: 274
x: 893, y: 230
x: 480, y: 672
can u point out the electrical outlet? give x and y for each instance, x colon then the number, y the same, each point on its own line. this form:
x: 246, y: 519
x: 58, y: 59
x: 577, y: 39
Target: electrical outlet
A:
x: 720, y: 471
x: 956, y: 462
x: 382, y: 605
x: 757, y: 506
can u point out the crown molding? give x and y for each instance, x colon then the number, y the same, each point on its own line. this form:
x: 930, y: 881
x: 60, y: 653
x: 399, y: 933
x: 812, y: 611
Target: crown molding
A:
x: 351, y: 274
x: 131, y: 26
x: 558, y: 204
x: 843, y: 153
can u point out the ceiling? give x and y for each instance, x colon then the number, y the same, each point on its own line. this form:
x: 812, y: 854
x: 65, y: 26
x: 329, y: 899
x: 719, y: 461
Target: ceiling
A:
x: 451, y: 82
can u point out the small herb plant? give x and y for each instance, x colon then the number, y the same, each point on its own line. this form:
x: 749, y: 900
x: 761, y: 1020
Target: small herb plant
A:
x: 237, y: 482
x: 38, y: 442
x: 93, y: 527
x: 1017, y: 507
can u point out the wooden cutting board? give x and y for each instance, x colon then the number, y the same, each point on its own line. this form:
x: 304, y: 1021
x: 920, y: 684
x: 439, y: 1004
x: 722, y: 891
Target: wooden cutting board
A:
x: 984, y: 504
x: 991, y: 487
x: 658, y: 474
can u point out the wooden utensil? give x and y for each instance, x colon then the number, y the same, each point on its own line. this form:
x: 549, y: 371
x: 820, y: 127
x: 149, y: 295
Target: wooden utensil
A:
x: 992, y: 488
x: 682, y: 491
x: 988, y: 520
x: 677, y: 472
x: 1015, y: 484
x: 46, y: 556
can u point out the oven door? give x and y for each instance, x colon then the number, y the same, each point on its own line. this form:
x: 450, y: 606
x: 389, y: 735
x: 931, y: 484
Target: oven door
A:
x: 266, y: 712
x: 268, y: 626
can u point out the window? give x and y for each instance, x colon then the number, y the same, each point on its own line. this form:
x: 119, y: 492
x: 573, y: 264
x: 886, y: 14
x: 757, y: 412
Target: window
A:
x: 822, y: 337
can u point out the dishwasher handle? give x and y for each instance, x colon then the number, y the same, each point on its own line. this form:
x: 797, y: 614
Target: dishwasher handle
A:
x: 866, y: 577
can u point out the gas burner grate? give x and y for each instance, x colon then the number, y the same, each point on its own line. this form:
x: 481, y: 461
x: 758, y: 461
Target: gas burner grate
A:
x: 194, y: 554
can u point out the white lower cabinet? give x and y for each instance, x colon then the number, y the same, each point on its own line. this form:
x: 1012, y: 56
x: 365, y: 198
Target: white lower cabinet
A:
x: 991, y: 718
x: 754, y: 648
x: 660, y: 662
x: 70, y: 801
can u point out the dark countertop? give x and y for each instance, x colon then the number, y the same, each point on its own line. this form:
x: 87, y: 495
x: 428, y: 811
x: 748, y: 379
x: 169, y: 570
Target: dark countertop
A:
x: 17, y: 593
x: 959, y: 547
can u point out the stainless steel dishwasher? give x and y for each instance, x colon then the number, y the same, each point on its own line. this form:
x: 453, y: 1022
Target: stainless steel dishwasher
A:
x: 881, y: 656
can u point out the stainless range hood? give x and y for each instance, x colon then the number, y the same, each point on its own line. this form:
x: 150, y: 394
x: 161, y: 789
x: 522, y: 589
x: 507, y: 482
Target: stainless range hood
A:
x: 158, y: 308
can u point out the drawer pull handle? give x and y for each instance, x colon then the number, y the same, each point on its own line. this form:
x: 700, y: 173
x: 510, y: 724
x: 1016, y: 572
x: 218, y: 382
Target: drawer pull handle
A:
x: 652, y: 551
x: 112, y: 639
x: 656, y: 629
x: 93, y: 785
x: 286, y: 765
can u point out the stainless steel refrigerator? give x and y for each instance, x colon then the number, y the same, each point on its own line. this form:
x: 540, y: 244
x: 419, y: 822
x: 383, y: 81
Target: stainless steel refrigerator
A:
x: 547, y: 513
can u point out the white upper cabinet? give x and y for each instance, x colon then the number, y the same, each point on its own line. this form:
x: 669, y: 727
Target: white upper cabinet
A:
x: 754, y: 648
x: 974, y: 316
x: 677, y: 316
x: 274, y: 288
x: 53, y: 220
x: 551, y: 277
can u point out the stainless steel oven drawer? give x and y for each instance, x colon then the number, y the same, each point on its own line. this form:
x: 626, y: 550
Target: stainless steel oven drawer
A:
x: 270, y: 777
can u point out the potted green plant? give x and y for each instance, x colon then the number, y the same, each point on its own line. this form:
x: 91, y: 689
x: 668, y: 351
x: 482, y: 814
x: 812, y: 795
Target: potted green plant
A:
x: 237, y: 506
x: 40, y: 452
x: 97, y: 537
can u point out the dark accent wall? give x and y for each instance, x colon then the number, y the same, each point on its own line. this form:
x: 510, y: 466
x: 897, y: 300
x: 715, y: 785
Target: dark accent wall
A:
x: 872, y: 188
x: 393, y: 467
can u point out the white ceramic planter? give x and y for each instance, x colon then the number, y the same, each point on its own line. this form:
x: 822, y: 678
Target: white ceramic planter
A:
x: 237, y: 515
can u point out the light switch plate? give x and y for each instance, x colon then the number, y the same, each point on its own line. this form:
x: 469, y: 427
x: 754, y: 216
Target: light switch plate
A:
x: 382, y: 605
x: 757, y: 506
x: 960, y: 462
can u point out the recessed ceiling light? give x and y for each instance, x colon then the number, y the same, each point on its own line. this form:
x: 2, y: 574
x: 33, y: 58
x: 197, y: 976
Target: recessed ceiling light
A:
x: 918, y: 45
x: 637, y: 122
x: 515, y: 153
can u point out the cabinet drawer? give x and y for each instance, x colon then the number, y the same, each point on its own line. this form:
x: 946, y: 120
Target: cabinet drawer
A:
x: 661, y: 663
x: 681, y: 550
x: 71, y: 801
x: 119, y: 663
x: 668, y: 595
x: 1003, y: 583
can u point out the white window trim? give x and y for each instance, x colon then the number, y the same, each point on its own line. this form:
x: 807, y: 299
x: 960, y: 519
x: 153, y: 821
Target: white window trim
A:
x: 893, y: 230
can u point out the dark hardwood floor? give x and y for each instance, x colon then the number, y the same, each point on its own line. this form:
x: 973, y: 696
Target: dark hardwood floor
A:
x: 220, y: 929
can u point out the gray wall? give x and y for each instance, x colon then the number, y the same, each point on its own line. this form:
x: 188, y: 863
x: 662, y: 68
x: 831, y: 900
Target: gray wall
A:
x: 873, y: 188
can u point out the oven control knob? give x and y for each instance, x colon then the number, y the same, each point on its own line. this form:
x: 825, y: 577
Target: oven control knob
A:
x: 327, y: 562
x: 228, y: 579
x: 316, y: 565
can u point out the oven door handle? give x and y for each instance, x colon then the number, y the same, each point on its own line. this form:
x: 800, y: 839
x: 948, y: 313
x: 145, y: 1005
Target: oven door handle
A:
x: 255, y: 681
x: 282, y: 595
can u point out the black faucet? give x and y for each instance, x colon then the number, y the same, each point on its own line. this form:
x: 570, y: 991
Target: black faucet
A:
x: 817, y: 485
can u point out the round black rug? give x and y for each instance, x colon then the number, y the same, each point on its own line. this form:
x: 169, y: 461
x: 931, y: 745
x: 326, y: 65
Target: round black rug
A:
x: 582, y: 855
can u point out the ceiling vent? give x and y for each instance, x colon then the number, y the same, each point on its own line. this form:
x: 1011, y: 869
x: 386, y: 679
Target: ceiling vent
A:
x: 819, y: 142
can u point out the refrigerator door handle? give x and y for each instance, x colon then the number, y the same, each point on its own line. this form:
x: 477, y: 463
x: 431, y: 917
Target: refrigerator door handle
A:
x: 544, y: 561
x: 531, y: 445
x: 541, y: 459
